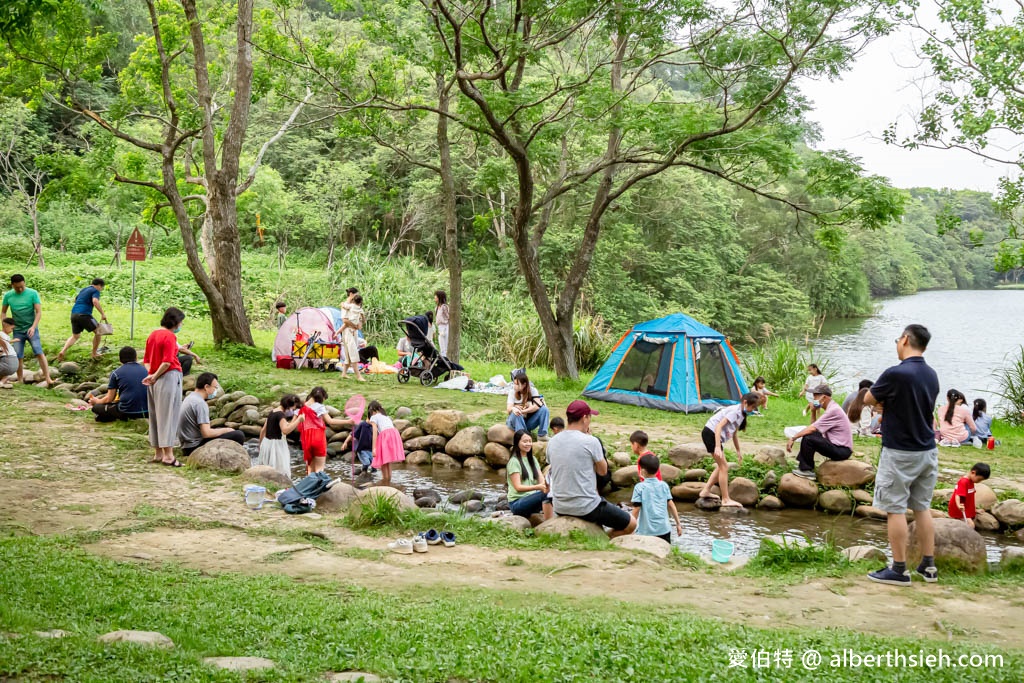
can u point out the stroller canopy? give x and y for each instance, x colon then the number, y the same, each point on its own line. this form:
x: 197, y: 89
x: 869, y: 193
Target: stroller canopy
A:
x: 308, y: 321
x: 672, y: 363
x: 416, y: 327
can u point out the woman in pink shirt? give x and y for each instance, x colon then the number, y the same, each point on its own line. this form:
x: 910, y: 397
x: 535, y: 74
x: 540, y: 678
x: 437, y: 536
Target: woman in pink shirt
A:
x: 955, y: 419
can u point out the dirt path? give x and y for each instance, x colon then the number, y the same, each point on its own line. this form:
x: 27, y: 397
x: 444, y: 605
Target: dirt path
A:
x: 66, y: 475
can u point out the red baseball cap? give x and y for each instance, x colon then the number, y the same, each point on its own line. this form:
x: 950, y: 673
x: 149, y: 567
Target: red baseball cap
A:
x: 578, y: 409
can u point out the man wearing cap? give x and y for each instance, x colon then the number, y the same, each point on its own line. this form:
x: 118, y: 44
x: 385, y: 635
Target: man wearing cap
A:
x: 830, y: 435
x: 576, y: 460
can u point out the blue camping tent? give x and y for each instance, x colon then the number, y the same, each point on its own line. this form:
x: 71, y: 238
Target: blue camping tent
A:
x: 672, y: 363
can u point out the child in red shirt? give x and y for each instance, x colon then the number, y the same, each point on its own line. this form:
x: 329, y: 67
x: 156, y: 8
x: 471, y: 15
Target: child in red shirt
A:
x: 638, y: 443
x: 313, y: 436
x: 961, y: 503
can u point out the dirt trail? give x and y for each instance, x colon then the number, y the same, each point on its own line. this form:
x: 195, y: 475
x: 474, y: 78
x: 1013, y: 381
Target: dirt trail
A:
x: 89, y: 488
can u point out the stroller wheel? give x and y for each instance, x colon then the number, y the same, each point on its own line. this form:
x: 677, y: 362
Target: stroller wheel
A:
x: 403, y: 376
x: 426, y: 378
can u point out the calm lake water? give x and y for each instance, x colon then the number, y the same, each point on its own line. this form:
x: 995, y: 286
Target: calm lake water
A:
x: 973, y: 332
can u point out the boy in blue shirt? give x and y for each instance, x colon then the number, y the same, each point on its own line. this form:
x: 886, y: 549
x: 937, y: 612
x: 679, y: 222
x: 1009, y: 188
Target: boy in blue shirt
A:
x: 652, y: 502
x: 361, y: 439
x: 82, y: 319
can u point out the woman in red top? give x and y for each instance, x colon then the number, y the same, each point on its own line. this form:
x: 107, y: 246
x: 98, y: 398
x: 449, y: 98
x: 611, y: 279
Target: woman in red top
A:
x: 314, y: 429
x: 164, y: 382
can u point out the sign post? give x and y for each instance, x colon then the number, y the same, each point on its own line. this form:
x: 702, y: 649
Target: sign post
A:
x: 135, y: 252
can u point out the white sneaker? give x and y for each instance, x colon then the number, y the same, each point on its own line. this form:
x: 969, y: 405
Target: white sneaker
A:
x: 419, y: 544
x: 402, y: 546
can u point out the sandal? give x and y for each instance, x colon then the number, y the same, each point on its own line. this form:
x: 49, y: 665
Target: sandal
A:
x: 176, y: 463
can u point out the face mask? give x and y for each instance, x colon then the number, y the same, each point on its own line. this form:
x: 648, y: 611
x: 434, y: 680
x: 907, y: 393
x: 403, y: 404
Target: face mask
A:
x: 816, y: 404
x: 289, y: 413
x: 177, y: 329
x: 215, y: 393
x: 748, y: 412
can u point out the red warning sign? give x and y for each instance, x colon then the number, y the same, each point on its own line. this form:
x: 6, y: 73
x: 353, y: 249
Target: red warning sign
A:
x: 136, y: 249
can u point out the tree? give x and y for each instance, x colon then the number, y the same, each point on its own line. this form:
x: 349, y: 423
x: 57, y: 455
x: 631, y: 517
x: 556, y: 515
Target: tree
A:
x: 21, y: 175
x: 185, y: 100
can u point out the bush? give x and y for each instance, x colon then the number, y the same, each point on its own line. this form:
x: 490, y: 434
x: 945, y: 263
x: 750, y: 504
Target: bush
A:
x: 786, y: 556
x: 1011, y: 388
x: 783, y: 364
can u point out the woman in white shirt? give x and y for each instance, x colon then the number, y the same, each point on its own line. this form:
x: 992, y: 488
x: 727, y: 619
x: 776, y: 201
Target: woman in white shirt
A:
x: 726, y: 424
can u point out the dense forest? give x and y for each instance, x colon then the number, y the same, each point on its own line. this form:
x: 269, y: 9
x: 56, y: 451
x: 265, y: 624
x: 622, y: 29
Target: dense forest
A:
x: 645, y: 196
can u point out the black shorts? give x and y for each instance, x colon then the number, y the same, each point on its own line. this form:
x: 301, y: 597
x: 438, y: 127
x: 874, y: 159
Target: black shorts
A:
x: 611, y: 516
x: 708, y: 437
x: 81, y: 322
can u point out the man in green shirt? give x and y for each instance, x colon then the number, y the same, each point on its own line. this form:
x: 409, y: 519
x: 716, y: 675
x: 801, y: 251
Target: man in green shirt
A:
x: 26, y: 309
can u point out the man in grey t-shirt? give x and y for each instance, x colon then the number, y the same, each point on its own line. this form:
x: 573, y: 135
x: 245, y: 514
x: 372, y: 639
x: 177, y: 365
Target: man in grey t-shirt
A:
x: 194, y: 428
x: 576, y: 460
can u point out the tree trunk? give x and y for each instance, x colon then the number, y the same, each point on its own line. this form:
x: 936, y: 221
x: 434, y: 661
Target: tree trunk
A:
x: 451, y: 224
x: 37, y: 240
x: 206, y: 243
x: 232, y: 323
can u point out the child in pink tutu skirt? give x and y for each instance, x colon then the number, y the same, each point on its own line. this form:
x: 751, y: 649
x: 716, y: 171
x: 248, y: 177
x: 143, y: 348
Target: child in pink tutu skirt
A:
x: 387, y: 442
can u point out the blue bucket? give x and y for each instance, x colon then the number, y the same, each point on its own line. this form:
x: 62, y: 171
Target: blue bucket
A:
x: 721, y: 551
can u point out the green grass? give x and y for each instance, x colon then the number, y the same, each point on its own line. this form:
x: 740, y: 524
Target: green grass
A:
x: 309, y: 628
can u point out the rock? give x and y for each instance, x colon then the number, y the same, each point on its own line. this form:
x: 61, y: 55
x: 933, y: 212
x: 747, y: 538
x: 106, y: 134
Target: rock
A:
x: 540, y: 451
x: 52, y: 633
x: 771, y: 455
x: 403, y: 501
x: 418, y: 458
x: 188, y: 383
x: 401, y: 425
x: 445, y: 423
x: 1012, y: 554
x: 625, y: 477
x: 687, y: 455
x: 787, y: 541
x: 334, y: 449
x: 770, y: 481
x: 857, y: 553
x: 496, y: 454
x: 943, y: 496
x: 652, y: 545
x: 426, y: 443
x: 863, y: 497
x: 218, y: 422
x: 338, y: 437
x: 228, y: 408
x: 151, y: 638
x: 985, y: 521
x: 563, y: 526
x: 465, y: 496
x: 708, y: 503
x: 770, y: 503
x: 345, y: 676
x: 338, y: 498
x: 870, y: 512
x: 1019, y: 534
x: 797, y: 492
x: 220, y: 454
x: 474, y: 506
x: 670, y: 473
x: 695, y: 475
x: 69, y: 369
x: 403, y: 412
x: 621, y: 459
x: 79, y: 403
x: 984, y: 497
x: 688, y: 491
x: 252, y: 431
x: 515, y: 521
x: 835, y: 501
x: 500, y: 433
x: 938, y: 513
x: 744, y: 491
x: 412, y: 432
x: 84, y: 386
x: 426, y: 503
x: 239, y: 415
x: 468, y: 441
x: 850, y: 474
x: 502, y: 504
x: 425, y: 492
x: 1010, y: 512
x: 334, y: 412
x: 957, y: 547
x: 239, y: 663
x: 265, y: 474
x: 475, y: 463
x: 446, y: 461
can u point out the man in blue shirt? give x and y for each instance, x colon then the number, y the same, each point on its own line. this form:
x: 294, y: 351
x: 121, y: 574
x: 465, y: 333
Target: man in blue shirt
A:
x: 909, y: 464
x: 82, y: 320
x: 126, y: 397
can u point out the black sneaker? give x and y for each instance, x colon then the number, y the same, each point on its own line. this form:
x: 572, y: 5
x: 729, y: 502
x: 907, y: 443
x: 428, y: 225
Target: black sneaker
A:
x: 890, y: 577
x: 929, y: 574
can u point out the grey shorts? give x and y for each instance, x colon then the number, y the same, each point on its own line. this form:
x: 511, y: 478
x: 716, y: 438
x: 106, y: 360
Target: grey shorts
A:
x: 906, y: 480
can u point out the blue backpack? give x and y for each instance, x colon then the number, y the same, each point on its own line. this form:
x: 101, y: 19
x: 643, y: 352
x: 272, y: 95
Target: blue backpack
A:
x: 298, y: 499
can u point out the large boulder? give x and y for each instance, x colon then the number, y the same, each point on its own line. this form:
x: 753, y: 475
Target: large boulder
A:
x: 446, y: 461
x: 412, y: 432
x: 957, y: 546
x: 229, y: 408
x: 426, y: 492
x: 426, y: 443
x: 985, y: 521
x: 943, y: 496
x: 696, y: 474
x: 862, y: 497
x: 563, y: 526
x: 474, y: 506
x: 687, y: 455
x: 465, y: 496
x: 797, y: 492
x: 403, y: 501
x: 984, y: 497
x: 69, y: 369
x: 625, y: 477
x: 771, y: 455
x: 670, y: 473
x: 403, y: 412
x: 850, y: 474
x: 496, y: 454
x: 1009, y: 512
x: 688, y: 491
x: 835, y: 501
x: 770, y: 503
x: 418, y: 458
x: 445, y: 423
x: 744, y: 491
x: 513, y: 521
x: 338, y: 498
x: 265, y: 474
x: 857, y: 553
x: 500, y: 433
x: 540, y: 451
x: 401, y: 425
x: 652, y: 545
x: 710, y: 504
x: 220, y: 454
x: 870, y: 512
x: 475, y: 463
x: 621, y: 459
x: 150, y: 638
x: 466, y: 442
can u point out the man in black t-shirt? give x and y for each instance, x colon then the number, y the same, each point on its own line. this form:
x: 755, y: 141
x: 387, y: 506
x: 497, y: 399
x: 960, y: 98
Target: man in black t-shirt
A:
x: 126, y: 397
x: 909, y: 464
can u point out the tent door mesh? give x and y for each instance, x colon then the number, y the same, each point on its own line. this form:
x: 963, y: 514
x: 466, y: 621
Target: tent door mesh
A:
x: 712, y: 372
x: 646, y: 368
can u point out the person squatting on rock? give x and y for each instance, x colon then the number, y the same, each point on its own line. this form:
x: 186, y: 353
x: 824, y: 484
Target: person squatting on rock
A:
x: 194, y: 429
x: 831, y: 435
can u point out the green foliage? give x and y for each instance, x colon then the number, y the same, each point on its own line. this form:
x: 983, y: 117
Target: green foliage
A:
x: 374, y: 511
x: 802, y: 556
x: 1011, y: 388
x: 783, y: 363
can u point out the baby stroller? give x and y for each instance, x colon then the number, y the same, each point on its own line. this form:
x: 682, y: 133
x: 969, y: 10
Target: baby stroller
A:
x: 425, y: 363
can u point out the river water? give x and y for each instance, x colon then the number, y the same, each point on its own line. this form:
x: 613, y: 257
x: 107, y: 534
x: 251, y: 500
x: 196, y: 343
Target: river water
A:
x: 973, y: 333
